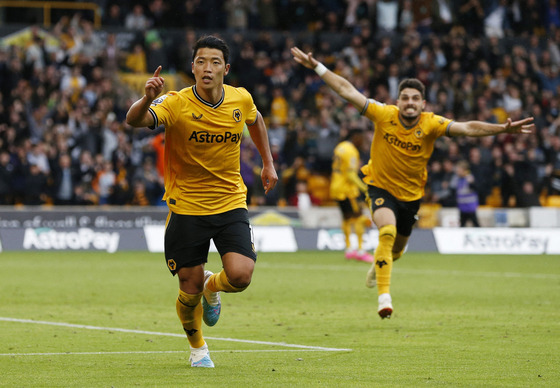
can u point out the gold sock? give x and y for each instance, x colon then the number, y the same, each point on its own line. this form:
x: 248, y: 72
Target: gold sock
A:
x: 360, y: 229
x: 189, y: 310
x: 384, y: 258
x: 347, y: 230
x: 220, y: 282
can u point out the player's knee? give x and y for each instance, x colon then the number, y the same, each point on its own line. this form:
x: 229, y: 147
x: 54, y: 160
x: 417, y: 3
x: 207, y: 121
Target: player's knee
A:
x: 240, y: 280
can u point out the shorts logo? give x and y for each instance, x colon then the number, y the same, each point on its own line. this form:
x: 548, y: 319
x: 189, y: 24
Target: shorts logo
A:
x: 237, y: 115
x: 171, y: 264
x: 379, y: 201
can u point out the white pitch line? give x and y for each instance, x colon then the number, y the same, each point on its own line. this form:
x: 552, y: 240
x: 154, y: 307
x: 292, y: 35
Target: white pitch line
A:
x: 116, y: 329
x: 153, y: 352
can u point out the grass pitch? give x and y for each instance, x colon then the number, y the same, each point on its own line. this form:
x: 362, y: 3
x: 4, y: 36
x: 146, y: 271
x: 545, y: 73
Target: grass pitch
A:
x: 88, y: 319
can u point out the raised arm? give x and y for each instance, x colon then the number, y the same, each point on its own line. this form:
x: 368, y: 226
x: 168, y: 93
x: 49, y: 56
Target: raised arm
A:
x: 337, y: 83
x: 481, y: 128
x: 260, y: 138
x: 137, y: 115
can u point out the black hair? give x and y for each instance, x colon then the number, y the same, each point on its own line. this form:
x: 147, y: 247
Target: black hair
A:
x: 214, y: 42
x: 413, y: 83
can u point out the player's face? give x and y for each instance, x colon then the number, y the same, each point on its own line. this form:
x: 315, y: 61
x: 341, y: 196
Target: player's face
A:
x: 209, y: 68
x: 410, y: 104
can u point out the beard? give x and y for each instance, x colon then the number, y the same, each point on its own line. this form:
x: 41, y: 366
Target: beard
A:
x: 410, y: 116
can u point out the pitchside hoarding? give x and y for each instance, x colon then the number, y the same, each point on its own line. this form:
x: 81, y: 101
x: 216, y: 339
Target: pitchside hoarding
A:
x: 112, y: 230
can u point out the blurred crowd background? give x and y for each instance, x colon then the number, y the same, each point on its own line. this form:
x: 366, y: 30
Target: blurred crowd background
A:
x: 64, y: 92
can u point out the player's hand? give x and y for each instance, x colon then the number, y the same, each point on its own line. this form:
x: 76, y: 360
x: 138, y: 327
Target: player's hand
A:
x: 269, y: 178
x: 306, y: 60
x: 154, y: 85
x: 520, y: 126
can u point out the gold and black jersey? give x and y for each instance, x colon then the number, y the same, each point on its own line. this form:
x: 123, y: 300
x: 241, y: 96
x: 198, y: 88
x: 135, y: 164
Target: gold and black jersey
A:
x: 346, y: 161
x: 399, y: 154
x: 202, y: 149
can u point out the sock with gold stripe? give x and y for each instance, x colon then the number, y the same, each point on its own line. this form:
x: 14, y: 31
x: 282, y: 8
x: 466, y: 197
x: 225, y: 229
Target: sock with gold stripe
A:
x: 189, y: 310
x: 219, y: 282
x: 384, y: 259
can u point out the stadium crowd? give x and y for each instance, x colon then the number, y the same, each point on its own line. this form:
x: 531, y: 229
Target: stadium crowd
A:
x: 64, y: 140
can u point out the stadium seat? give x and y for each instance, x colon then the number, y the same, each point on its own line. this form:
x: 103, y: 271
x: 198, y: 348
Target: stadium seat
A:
x: 319, y: 186
x: 495, y: 198
x: 552, y: 201
x: 428, y: 215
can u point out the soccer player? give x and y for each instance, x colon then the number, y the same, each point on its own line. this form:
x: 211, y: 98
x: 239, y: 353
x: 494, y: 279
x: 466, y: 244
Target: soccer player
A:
x: 204, y: 190
x: 345, y: 188
x: 402, y: 144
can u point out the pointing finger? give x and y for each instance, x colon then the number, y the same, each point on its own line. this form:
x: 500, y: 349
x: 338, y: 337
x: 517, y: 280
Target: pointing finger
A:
x: 156, y: 73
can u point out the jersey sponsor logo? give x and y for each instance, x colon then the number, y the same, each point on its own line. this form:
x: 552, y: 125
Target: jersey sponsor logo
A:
x: 196, y: 117
x: 159, y: 100
x: 237, y: 115
x: 407, y: 145
x: 206, y: 137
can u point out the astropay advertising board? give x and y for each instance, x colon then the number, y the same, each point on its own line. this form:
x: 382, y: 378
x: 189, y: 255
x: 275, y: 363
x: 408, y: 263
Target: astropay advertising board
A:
x: 523, y: 241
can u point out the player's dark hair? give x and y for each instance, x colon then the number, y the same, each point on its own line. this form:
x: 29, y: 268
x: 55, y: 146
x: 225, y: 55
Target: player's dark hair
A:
x: 413, y: 83
x: 210, y: 41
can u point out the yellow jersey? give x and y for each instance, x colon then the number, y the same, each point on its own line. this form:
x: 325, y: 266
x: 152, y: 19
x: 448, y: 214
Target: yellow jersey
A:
x: 399, y: 154
x: 346, y: 161
x: 202, y: 149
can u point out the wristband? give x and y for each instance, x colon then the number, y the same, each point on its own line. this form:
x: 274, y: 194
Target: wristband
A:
x: 320, y: 69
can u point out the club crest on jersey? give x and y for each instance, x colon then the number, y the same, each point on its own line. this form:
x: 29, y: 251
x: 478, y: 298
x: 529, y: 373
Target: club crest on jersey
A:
x: 159, y: 100
x: 237, y: 115
x: 418, y: 133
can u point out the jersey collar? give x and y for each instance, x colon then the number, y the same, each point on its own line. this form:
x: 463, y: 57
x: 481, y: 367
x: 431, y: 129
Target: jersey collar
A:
x: 214, y: 106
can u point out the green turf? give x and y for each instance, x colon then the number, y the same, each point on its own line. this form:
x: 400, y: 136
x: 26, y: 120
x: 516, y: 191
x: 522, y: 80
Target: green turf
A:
x: 461, y: 321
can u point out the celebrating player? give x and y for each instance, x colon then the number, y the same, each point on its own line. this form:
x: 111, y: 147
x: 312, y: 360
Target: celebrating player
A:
x: 345, y: 188
x: 204, y: 190
x: 396, y: 173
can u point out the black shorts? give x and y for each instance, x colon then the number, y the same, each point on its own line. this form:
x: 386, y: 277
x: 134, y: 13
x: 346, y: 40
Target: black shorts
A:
x: 406, y: 213
x: 350, y: 208
x: 187, y: 238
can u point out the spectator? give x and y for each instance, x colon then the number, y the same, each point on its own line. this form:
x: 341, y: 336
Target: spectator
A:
x: 465, y: 189
x: 35, y: 186
x: 114, y: 17
x: 137, y: 20
x: 527, y: 197
x: 64, y: 181
x: 6, y: 174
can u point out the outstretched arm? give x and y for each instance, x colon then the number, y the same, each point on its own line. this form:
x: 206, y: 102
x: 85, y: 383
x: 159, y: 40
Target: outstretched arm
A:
x: 138, y: 115
x: 337, y: 83
x: 260, y: 138
x: 481, y: 128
